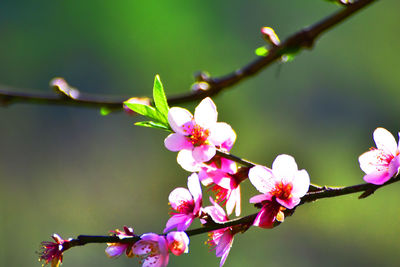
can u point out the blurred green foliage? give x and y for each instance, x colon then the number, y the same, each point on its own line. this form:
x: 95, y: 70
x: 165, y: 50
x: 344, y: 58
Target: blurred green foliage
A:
x: 71, y: 171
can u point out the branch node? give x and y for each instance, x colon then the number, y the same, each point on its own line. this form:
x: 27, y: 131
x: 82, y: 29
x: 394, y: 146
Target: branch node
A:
x: 367, y: 193
x: 61, y: 87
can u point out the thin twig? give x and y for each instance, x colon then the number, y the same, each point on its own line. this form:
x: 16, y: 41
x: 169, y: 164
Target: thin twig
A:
x: 305, y: 38
x: 247, y: 220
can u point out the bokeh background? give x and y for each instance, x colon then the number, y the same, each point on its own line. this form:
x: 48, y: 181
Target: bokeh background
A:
x: 71, y: 171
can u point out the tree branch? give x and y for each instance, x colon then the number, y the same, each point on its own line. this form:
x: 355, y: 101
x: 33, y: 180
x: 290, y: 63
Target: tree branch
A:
x: 302, y: 39
x: 247, y: 220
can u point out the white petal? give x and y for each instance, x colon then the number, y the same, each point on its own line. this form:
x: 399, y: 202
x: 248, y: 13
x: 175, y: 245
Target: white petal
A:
x: 222, y: 132
x: 384, y: 140
x: 204, y: 153
x: 301, y: 183
x: 284, y: 168
x: 179, y: 119
x: 176, y: 141
x: 187, y: 162
x: 262, y: 178
x: 206, y: 113
x: 373, y: 161
x: 195, y: 189
x: 178, y: 196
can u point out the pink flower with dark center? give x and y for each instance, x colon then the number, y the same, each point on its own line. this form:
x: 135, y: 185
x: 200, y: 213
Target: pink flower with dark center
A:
x: 381, y: 163
x: 220, y: 176
x: 152, y: 250
x: 220, y: 240
x: 52, y: 252
x: 116, y: 249
x: 178, y: 242
x: 283, y: 185
x: 186, y: 204
x: 200, y: 134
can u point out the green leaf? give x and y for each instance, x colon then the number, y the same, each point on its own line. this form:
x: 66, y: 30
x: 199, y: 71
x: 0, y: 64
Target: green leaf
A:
x: 152, y: 124
x: 261, y: 51
x: 160, y: 100
x: 104, y: 111
x: 147, y: 111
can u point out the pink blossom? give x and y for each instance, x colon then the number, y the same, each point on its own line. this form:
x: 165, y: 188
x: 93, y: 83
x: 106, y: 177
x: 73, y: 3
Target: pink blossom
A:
x: 200, y: 134
x: 116, y: 249
x: 52, y: 252
x: 178, y: 242
x: 381, y: 163
x: 152, y: 250
x: 221, y: 240
x: 186, y: 203
x: 283, y: 185
x: 220, y: 177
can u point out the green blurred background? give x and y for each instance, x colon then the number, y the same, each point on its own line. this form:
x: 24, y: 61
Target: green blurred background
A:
x: 71, y: 171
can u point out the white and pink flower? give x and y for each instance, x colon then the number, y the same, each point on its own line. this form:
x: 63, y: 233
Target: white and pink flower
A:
x: 52, y: 252
x: 116, y: 249
x: 200, y: 134
x: 222, y: 239
x: 383, y: 162
x: 186, y: 203
x: 220, y: 177
x: 283, y: 185
x: 178, y: 242
x: 152, y: 250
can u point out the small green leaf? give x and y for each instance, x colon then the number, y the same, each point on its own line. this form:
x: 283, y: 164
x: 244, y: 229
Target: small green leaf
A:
x: 261, y: 51
x: 147, y: 111
x: 160, y: 100
x: 152, y: 124
x: 104, y: 111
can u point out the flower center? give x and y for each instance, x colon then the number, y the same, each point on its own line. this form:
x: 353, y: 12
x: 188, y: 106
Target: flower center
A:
x: 185, y: 207
x: 282, y: 191
x: 198, y: 135
x: 221, y: 194
x: 176, y: 245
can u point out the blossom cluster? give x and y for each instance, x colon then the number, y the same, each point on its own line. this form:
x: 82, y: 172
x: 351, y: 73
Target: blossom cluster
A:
x: 199, y: 139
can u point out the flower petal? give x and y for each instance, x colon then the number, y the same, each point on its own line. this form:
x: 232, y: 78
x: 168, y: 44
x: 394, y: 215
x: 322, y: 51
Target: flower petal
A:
x: 179, y: 221
x: 176, y: 142
x: 179, y: 119
x: 187, y: 162
x: 262, y: 178
x: 284, y: 168
x: 224, y: 243
x: 178, y: 242
x: 195, y: 189
x: 222, y: 132
x: 116, y: 250
x: 236, y: 193
x: 266, y: 217
x: 289, y: 203
x: 204, y: 153
x: 206, y: 113
x: 179, y: 196
x: 384, y: 140
x: 377, y: 177
x: 260, y: 198
x: 301, y: 183
x: 373, y: 161
x: 216, y: 212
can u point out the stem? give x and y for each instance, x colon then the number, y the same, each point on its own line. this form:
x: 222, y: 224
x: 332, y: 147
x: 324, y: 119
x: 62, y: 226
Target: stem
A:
x: 304, y: 38
x: 325, y: 192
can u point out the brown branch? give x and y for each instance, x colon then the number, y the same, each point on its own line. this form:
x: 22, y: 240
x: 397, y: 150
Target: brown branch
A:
x: 311, y: 196
x: 302, y: 39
